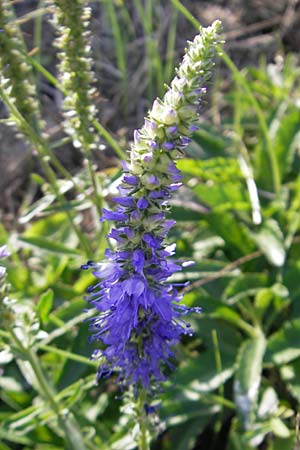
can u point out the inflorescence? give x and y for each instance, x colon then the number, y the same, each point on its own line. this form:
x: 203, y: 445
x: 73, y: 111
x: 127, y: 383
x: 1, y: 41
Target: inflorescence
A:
x: 71, y: 19
x: 139, y: 313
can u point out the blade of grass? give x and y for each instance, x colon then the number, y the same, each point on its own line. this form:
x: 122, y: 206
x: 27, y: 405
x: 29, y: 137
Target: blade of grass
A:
x: 170, y: 51
x: 153, y: 59
x: 244, y: 161
x: 32, y: 15
x: 37, y: 32
x: 67, y: 326
x: 120, y: 50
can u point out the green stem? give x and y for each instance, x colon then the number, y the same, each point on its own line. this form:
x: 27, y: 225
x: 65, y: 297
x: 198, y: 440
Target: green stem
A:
x: 169, y: 67
x: 251, y: 331
x: 67, y: 354
x: 218, y: 361
x: 109, y: 139
x: 120, y: 50
x: 37, y: 34
x: 186, y: 13
x: 143, y: 442
x: 67, y: 326
x: 97, y: 197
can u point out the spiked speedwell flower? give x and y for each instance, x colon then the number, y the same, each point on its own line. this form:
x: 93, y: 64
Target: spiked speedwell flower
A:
x: 139, y: 313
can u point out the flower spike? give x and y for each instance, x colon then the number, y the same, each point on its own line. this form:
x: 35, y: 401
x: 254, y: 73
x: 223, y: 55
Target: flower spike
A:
x: 139, y: 314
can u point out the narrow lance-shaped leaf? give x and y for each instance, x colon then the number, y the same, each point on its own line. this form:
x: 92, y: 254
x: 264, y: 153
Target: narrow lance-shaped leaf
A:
x: 247, y: 378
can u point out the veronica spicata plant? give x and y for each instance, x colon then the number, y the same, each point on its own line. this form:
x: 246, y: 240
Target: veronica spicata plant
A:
x: 139, y: 313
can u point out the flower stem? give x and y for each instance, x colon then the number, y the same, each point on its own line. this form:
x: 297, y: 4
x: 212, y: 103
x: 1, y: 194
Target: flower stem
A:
x: 143, y: 442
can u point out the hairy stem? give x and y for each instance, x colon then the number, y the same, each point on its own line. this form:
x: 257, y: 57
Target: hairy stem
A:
x: 143, y: 441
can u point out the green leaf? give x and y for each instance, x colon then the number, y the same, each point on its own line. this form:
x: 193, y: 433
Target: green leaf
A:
x: 268, y: 404
x: 201, y: 374
x: 186, y: 214
x: 73, y: 434
x: 47, y: 244
x: 284, y: 345
x: 290, y: 375
x: 279, y: 428
x: 181, y: 405
x: 236, y: 440
x: 184, y: 436
x: 248, y: 376
x: 269, y: 239
x: 233, y: 232
x: 286, y: 139
x: 245, y: 285
x: 45, y: 305
x: 211, y: 141
x: 73, y: 369
x: 36, y: 178
x: 217, y: 170
x: 284, y: 444
x: 38, y: 207
x: 47, y: 226
x: 223, y: 198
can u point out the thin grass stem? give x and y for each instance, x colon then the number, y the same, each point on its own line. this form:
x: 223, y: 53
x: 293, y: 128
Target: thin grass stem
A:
x: 120, y: 50
x: 67, y: 354
x: 170, y: 51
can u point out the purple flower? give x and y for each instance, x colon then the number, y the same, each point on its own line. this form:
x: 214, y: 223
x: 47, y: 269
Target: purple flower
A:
x: 168, y: 145
x: 173, y: 129
x: 131, y: 180
x: 3, y: 254
x: 113, y: 215
x: 124, y: 201
x: 139, y: 314
x: 185, y: 140
x: 153, y: 145
x: 193, y: 128
x: 142, y: 203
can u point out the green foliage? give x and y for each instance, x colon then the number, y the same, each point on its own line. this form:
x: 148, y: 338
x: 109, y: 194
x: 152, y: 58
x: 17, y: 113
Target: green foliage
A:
x: 237, y: 385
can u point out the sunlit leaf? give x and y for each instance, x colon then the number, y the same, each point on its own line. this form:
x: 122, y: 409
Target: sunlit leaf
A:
x: 248, y: 376
x: 44, y: 305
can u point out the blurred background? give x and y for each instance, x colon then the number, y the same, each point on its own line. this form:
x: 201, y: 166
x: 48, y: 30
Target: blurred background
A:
x: 236, y: 385
x: 254, y: 30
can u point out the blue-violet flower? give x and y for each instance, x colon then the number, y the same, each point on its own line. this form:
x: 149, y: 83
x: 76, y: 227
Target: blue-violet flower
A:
x: 3, y: 254
x: 139, y: 314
